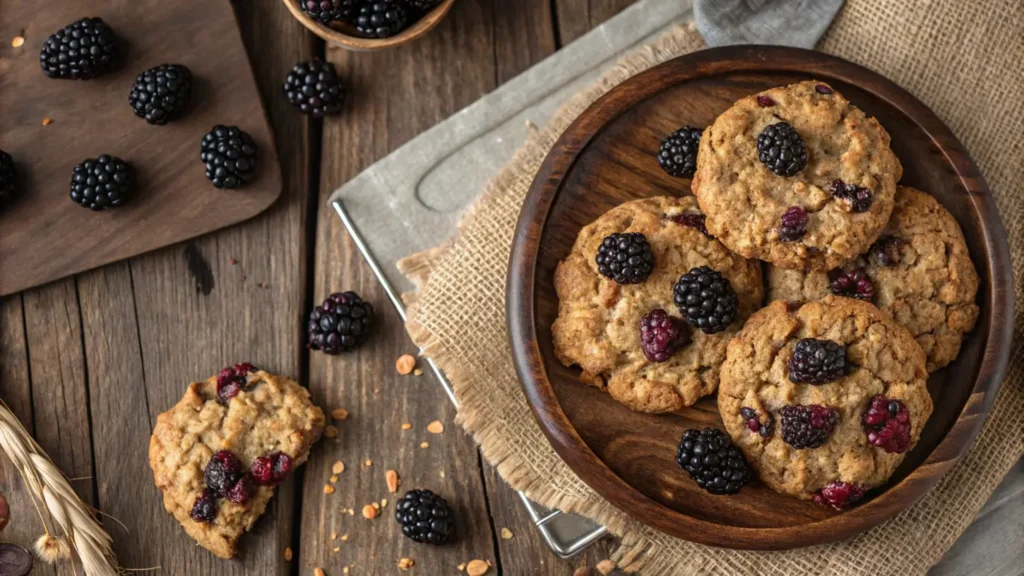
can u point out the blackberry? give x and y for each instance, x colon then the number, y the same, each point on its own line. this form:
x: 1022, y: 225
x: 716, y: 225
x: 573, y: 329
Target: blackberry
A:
x: 229, y: 155
x: 161, y: 94
x: 753, y: 422
x: 205, y: 507
x: 101, y: 183
x: 381, y: 18
x: 422, y: 4
x: 858, y: 197
x: 425, y: 517
x: 781, y: 149
x: 222, y: 472
x: 678, y: 154
x: 807, y: 426
x: 661, y: 335
x: 626, y: 258
x: 231, y: 380
x: 271, y: 470
x: 81, y: 50
x: 817, y: 361
x: 712, y: 461
x: 887, y: 424
x: 340, y: 324
x: 7, y: 177
x: 315, y: 88
x: 852, y: 284
x: 693, y: 220
x: 327, y: 11
x: 794, y: 224
x: 839, y: 495
x: 886, y: 251
x: 706, y: 299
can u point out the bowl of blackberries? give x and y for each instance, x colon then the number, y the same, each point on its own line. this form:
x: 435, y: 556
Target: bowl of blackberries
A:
x: 369, y: 24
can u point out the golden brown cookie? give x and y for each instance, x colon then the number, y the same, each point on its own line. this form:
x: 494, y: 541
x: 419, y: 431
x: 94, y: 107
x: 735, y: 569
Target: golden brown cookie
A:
x: 919, y: 272
x: 841, y: 199
x: 270, y: 416
x: 598, y: 325
x: 797, y: 408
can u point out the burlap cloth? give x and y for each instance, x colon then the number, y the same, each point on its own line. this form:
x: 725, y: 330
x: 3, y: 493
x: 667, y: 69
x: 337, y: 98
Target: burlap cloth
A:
x: 962, y: 58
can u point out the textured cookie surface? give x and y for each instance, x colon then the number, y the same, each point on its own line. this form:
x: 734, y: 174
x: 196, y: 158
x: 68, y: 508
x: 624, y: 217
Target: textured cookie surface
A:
x: 744, y: 200
x: 272, y: 414
x: 921, y: 271
x: 598, y: 325
x: 885, y: 360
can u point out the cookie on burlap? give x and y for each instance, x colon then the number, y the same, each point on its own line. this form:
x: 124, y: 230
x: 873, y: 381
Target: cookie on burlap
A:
x: 270, y: 414
x: 598, y: 325
x: 757, y: 387
x: 845, y: 190
x: 920, y: 272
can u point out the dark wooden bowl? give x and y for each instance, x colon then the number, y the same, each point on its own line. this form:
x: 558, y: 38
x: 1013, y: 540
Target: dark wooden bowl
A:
x: 607, y: 157
x: 346, y: 36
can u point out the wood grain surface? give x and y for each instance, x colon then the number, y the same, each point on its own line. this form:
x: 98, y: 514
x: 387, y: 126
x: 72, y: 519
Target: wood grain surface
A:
x: 608, y: 156
x: 43, y: 234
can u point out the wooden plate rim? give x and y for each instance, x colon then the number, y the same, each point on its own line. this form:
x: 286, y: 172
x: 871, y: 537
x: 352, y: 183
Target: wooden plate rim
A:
x: 529, y: 363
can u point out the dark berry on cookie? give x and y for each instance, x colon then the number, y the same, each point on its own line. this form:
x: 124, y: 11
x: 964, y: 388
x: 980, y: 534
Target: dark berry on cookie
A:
x: 101, y: 183
x: 84, y: 49
x: 241, y: 491
x: 161, y: 94
x: 781, y: 149
x: 340, y: 324
x: 205, y: 507
x: 231, y: 380
x: 706, y: 299
x: 678, y: 154
x: 315, y: 88
x: 753, y: 422
x: 710, y: 458
x: 425, y: 517
x: 7, y: 177
x: 222, y: 472
x: 626, y: 258
x: 229, y: 155
x: 817, y: 361
x: 282, y: 465
x: 692, y: 220
x: 852, y: 284
x: 822, y: 89
x: 662, y: 335
x: 839, y: 495
x: 858, y: 197
x: 807, y: 426
x: 271, y: 470
x: 794, y: 224
x: 887, y: 424
x: 886, y: 251
x: 381, y: 18
x: 765, y: 101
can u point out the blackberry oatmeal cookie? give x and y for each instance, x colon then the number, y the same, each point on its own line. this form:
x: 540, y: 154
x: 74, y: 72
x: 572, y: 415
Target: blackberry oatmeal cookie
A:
x: 824, y: 398
x: 919, y: 271
x: 618, y: 315
x: 796, y: 176
x: 219, y: 452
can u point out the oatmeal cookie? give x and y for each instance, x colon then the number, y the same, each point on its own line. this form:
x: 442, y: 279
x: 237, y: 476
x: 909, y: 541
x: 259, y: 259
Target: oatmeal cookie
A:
x: 599, y: 320
x: 919, y: 270
x: 265, y: 416
x: 861, y: 403
x: 805, y: 152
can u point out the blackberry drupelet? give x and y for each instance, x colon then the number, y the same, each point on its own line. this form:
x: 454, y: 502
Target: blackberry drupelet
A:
x: 222, y: 472
x: 886, y: 251
x: 678, y: 154
x: 858, y: 197
x: 753, y: 422
x: 101, y: 183
x: 839, y: 495
x: 712, y: 461
x: 706, y: 299
x: 315, y: 88
x: 781, y: 149
x: 422, y: 4
x: 205, y: 507
x: 626, y: 258
x: 231, y: 380
x: 693, y: 220
x: 340, y: 324
x: 661, y: 335
x: 7, y: 177
x: 381, y: 18
x: 887, y: 424
x: 794, y: 224
x: 817, y: 361
x: 230, y: 156
x: 425, y: 517
x: 852, y: 284
x: 161, y: 94
x: 327, y: 11
x: 81, y: 50
x: 807, y: 426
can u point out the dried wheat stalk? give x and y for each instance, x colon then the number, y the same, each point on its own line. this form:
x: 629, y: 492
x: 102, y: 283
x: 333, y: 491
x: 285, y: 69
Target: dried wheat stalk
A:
x: 57, y: 504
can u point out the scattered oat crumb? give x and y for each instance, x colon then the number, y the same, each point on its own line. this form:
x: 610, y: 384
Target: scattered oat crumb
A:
x: 351, y: 512
x: 583, y: 571
x: 338, y: 467
x: 405, y: 364
x: 417, y: 372
x: 47, y: 121
x: 406, y: 426
x: 461, y: 566
x: 375, y: 505
x: 328, y: 489
x: 393, y: 481
x: 288, y: 554
x: 383, y: 502
x: 368, y: 462
x: 405, y: 563
x: 344, y: 537
x: 506, y: 534
x: 336, y: 549
x: 330, y: 432
x: 318, y: 572
x: 334, y: 535
x: 424, y: 444
x: 605, y: 566
x: 339, y: 414
x: 477, y: 568
x: 369, y: 512
x: 344, y: 570
x: 376, y: 390
x: 17, y: 41
x: 442, y: 473
x: 334, y: 479
x: 435, y: 427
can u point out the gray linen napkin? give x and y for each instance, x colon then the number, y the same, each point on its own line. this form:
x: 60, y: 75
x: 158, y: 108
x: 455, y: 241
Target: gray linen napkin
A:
x: 785, y: 22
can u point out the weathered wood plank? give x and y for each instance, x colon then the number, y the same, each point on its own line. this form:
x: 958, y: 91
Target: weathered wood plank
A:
x: 577, y: 17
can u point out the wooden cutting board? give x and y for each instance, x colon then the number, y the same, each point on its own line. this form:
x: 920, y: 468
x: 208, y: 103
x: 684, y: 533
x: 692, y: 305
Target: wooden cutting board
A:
x: 44, y: 235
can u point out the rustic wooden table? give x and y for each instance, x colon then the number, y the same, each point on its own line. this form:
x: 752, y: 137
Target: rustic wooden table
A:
x: 88, y: 362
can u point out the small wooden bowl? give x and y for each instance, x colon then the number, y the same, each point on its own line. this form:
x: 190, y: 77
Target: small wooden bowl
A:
x: 347, y: 37
x: 607, y: 157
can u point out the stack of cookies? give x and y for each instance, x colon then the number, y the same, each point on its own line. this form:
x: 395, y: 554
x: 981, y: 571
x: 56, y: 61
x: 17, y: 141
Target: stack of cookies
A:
x: 870, y: 287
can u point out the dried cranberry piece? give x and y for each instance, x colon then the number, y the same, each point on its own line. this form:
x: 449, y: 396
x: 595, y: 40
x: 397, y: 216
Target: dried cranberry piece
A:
x: 765, y: 101
x: 222, y: 472
x: 205, y: 507
x: 693, y: 220
x: 263, y: 471
x: 860, y: 198
x: 853, y: 284
x: 886, y: 251
x: 794, y: 224
x: 281, y: 466
x: 241, y: 491
x: 231, y: 380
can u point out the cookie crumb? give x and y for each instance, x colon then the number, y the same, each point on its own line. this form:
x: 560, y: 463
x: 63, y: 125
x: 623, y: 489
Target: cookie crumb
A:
x: 442, y: 473
x: 344, y: 537
x: 334, y: 535
x: 318, y: 572
x: 405, y: 364
x: 417, y: 372
x: 369, y: 462
x: 424, y: 444
x: 605, y: 567
x: 407, y: 426
x: 393, y: 481
x: 369, y: 512
x: 330, y: 432
x: 18, y: 41
x: 477, y: 568
x: 334, y: 479
x: 339, y: 414
x: 461, y: 566
x: 328, y: 489
x: 435, y: 427
x: 288, y: 554
x: 383, y: 502
x: 336, y: 549
x: 47, y: 121
x: 344, y: 570
x: 405, y: 563
x: 506, y: 534
x: 338, y: 467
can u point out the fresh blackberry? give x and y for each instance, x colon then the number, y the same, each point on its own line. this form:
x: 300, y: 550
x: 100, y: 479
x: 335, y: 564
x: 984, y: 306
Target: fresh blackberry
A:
x: 886, y: 251
x: 661, y: 335
x: 693, y: 220
x: 753, y: 421
x: 100, y: 183
x: 839, y: 495
x: 626, y: 258
x: 678, y: 154
x: 807, y: 426
x: 887, y: 424
x: 794, y: 224
x: 81, y: 50
x: 425, y: 517
x: 222, y: 472
x: 712, y: 461
x: 327, y: 11
x: 205, y: 507
x: 7, y: 177
x: 817, y: 361
x: 858, y: 197
x: 781, y: 149
x: 706, y: 299
x: 230, y: 156
x: 161, y: 94
x: 381, y: 18
x: 315, y: 88
x: 231, y: 380
x: 340, y: 324
x: 422, y: 4
x: 852, y: 284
